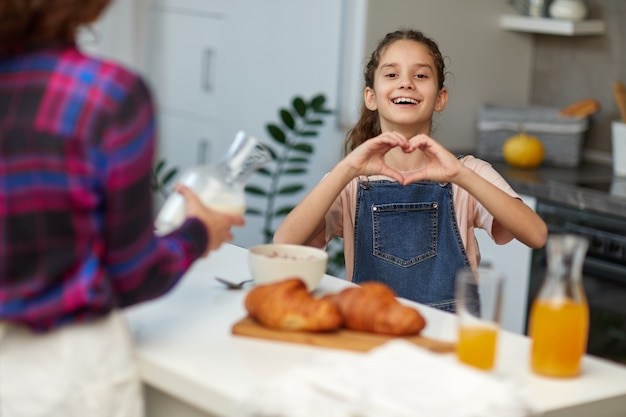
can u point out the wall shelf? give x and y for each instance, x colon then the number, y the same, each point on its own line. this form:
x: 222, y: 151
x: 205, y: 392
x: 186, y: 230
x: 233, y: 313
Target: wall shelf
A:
x: 552, y: 26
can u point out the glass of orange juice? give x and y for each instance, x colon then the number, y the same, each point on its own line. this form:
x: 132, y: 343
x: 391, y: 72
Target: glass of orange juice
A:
x: 478, y: 308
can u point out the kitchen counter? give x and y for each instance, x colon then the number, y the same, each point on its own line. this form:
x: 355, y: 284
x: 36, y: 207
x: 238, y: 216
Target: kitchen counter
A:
x: 188, y: 355
x: 588, y: 187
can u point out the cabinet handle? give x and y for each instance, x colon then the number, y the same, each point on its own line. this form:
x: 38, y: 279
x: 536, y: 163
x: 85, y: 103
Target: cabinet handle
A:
x: 208, y: 58
x: 203, y: 148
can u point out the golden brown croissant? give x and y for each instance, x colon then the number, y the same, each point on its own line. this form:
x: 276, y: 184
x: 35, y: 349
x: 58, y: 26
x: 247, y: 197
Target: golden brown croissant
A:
x: 373, y: 308
x: 288, y: 305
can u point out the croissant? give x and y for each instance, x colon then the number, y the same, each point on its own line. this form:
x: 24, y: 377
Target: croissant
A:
x: 288, y: 305
x: 373, y: 308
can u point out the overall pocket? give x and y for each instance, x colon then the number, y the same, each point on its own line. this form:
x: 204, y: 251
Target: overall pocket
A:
x: 405, y: 233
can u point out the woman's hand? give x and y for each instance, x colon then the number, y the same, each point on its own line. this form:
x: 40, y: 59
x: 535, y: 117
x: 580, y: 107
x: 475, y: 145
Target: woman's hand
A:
x: 218, y: 224
x: 442, y: 165
x: 369, y: 157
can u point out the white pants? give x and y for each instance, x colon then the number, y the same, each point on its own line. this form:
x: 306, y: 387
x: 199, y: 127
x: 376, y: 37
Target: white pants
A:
x: 80, y: 370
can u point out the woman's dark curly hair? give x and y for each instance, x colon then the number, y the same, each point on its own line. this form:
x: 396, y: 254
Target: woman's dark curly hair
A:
x: 368, y: 125
x: 25, y: 23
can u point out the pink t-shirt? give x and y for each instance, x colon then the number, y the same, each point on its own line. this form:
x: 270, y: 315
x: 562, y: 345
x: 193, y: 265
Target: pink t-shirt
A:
x: 470, y: 214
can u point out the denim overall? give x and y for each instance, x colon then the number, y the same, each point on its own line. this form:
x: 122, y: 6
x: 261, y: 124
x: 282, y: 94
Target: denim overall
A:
x: 407, y: 237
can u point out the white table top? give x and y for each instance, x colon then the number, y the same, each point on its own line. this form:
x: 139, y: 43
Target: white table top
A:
x: 186, y: 349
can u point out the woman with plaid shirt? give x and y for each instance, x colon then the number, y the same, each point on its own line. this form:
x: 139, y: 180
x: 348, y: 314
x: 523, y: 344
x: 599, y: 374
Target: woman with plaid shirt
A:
x: 77, y: 140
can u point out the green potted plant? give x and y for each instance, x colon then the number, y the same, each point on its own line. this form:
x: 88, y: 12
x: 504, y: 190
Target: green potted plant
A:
x: 292, y: 149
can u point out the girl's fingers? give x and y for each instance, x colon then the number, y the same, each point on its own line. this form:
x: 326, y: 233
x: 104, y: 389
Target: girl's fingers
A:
x: 392, y: 173
x: 414, y: 177
x: 420, y: 141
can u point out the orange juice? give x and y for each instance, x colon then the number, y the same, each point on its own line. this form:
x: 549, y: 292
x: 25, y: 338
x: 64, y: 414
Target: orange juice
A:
x: 477, y: 345
x: 558, y: 329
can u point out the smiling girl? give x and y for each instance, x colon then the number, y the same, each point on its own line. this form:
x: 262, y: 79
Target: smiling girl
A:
x: 404, y: 205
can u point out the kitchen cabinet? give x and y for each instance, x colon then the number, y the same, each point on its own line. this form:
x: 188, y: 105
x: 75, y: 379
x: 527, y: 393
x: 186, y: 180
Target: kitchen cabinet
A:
x: 551, y: 26
x: 185, y: 39
x: 217, y: 66
x: 514, y: 260
x: 185, y: 141
x: 183, y: 67
x: 220, y: 66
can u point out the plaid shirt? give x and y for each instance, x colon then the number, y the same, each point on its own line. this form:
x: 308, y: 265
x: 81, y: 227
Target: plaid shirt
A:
x: 77, y: 140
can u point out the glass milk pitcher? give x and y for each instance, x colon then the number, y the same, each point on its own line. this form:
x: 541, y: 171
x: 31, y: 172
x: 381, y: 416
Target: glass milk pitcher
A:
x: 559, y: 318
x: 219, y: 186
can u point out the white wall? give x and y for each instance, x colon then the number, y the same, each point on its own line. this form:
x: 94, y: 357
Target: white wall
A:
x: 278, y: 49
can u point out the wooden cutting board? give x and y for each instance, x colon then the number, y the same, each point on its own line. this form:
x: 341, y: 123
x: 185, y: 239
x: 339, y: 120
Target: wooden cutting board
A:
x: 340, y: 339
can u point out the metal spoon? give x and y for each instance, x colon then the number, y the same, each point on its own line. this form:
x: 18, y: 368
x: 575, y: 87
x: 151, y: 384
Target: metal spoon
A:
x: 233, y: 285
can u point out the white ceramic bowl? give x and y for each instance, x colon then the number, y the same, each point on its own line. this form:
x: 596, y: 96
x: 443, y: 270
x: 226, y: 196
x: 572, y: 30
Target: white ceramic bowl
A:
x: 276, y: 262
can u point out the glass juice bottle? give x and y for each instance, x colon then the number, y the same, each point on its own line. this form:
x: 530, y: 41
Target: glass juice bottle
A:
x: 220, y: 186
x: 559, y: 318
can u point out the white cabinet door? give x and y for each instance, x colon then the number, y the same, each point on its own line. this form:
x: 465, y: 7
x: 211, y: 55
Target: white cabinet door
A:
x: 183, y: 60
x: 513, y: 259
x: 184, y: 143
x: 182, y: 68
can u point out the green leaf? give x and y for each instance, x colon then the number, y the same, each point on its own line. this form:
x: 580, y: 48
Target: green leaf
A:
x: 265, y: 172
x: 269, y: 235
x: 308, y: 133
x: 314, y: 122
x: 291, y: 189
x: 168, y: 176
x: 292, y: 171
x: 276, y: 133
x: 283, y: 211
x: 322, y: 111
x: 159, y: 166
x: 299, y: 105
x: 304, y: 147
x: 318, y: 102
x: 253, y: 211
x: 253, y: 189
x: 297, y: 160
x: 287, y: 119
